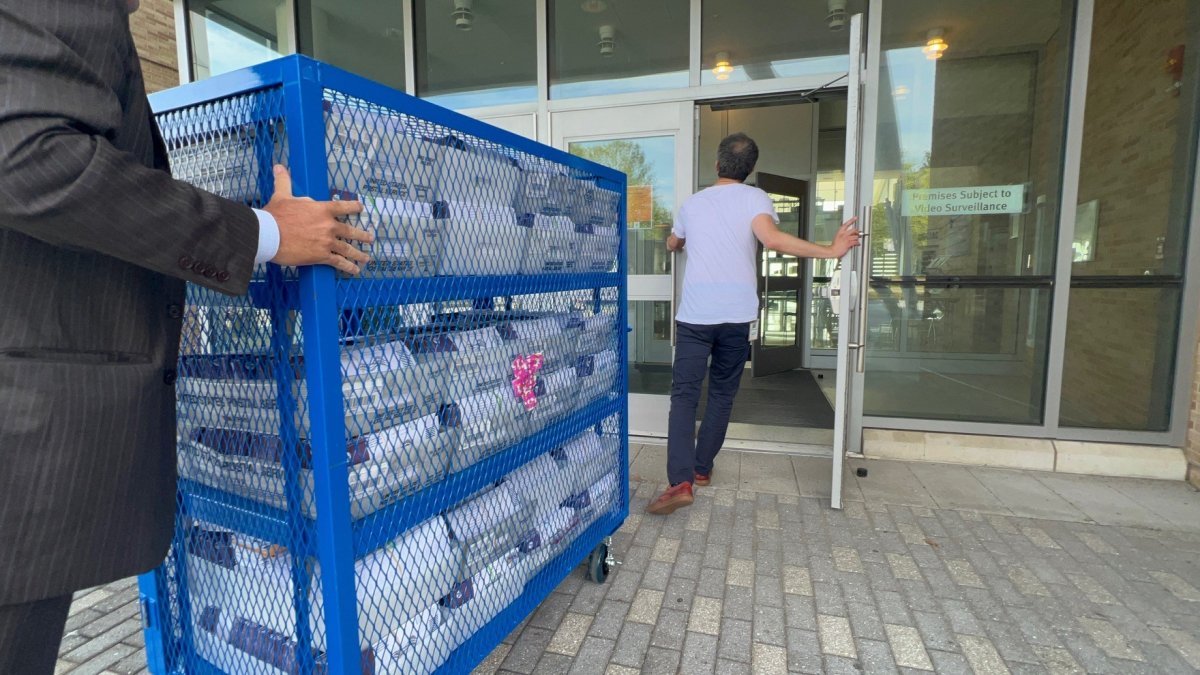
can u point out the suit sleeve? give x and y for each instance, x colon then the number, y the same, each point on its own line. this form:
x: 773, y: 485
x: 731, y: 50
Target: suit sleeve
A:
x: 62, y: 180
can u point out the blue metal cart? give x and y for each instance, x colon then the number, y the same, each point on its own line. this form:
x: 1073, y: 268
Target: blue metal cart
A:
x: 387, y: 473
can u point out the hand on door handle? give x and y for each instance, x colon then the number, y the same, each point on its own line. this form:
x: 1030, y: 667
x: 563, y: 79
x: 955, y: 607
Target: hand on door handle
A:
x: 847, y: 237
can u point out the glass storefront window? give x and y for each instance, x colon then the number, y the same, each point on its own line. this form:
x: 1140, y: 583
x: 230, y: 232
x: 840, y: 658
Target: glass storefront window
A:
x: 828, y: 214
x: 650, y: 347
x: 956, y: 353
x: 228, y: 35
x: 1119, y: 360
x: 474, y: 54
x: 649, y: 164
x: 767, y: 39
x: 364, y: 38
x: 602, y: 47
x: 963, y: 225
x: 1131, y: 227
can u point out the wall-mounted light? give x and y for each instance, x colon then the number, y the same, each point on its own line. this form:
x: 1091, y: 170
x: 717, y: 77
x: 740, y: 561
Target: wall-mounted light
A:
x: 935, y: 45
x: 723, y: 68
x: 608, y: 40
x: 900, y: 92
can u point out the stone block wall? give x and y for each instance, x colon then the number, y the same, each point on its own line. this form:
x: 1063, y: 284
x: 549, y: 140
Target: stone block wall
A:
x: 153, y: 27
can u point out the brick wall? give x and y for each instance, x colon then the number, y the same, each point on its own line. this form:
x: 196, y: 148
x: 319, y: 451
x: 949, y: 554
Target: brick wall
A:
x: 153, y: 27
x: 1111, y: 347
x: 1131, y: 128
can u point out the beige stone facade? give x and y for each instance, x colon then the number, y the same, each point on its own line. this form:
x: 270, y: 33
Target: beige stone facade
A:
x: 153, y: 27
x: 1193, y: 431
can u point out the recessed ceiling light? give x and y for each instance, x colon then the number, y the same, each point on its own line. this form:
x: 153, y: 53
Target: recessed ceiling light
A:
x: 593, y: 6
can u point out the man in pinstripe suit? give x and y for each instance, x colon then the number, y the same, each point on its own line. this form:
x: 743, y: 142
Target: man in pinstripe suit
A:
x: 96, y: 242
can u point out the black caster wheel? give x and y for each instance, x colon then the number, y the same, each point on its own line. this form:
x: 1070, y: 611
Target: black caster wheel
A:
x: 598, y: 568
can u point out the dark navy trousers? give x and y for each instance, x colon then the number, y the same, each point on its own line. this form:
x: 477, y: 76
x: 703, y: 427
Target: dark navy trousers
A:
x: 720, y: 350
x: 30, y: 634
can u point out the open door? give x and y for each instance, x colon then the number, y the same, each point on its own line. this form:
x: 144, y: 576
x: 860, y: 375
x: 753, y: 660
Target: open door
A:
x: 855, y: 273
x: 781, y: 279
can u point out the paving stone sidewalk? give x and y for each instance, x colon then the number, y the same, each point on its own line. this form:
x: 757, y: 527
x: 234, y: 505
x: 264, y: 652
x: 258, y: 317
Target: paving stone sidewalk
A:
x: 747, y: 581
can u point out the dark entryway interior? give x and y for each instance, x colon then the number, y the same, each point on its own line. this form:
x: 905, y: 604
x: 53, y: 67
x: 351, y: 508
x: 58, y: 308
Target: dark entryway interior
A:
x: 789, y: 399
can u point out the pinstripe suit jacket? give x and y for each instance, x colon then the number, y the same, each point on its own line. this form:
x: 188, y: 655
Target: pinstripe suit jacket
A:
x: 96, y: 241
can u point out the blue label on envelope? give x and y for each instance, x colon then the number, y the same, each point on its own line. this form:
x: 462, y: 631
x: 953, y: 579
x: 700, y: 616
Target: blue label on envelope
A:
x: 532, y: 542
x: 460, y: 595
x: 579, y: 501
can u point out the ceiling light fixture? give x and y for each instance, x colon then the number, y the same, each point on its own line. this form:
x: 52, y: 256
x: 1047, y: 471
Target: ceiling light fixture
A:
x: 462, y: 14
x: 936, y: 45
x: 723, y: 68
x: 608, y: 40
x: 593, y: 6
x: 836, y: 17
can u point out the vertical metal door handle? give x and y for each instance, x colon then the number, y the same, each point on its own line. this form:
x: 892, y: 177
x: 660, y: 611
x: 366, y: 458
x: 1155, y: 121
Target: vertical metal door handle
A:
x: 864, y: 286
x: 674, y: 287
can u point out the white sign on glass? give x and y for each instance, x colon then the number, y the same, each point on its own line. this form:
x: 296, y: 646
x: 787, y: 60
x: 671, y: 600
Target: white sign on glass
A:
x: 963, y: 201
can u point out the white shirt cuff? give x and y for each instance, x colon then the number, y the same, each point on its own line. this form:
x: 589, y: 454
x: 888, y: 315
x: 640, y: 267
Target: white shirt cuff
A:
x: 268, y: 237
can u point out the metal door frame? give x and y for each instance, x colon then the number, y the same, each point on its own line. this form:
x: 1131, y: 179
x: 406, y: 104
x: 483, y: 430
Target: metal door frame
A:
x: 648, y: 412
x: 861, y: 117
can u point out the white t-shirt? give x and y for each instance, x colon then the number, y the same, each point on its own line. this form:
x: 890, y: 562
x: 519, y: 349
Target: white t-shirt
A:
x: 719, y: 281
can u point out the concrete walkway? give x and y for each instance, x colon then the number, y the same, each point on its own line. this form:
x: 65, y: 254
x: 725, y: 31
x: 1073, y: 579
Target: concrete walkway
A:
x: 928, y: 568
x: 1027, y: 494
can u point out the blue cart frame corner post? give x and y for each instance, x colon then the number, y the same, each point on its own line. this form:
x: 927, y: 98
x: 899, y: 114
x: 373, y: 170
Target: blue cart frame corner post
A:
x: 387, y: 473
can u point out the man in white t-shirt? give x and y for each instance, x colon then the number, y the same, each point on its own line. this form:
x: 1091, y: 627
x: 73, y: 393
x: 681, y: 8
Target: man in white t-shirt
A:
x: 721, y: 227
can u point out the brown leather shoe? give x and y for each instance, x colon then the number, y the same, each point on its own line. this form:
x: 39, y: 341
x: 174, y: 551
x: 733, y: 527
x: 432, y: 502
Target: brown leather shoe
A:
x: 703, y: 479
x: 674, y: 497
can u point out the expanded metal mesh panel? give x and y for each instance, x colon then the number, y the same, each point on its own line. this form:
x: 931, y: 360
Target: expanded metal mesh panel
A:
x: 472, y: 376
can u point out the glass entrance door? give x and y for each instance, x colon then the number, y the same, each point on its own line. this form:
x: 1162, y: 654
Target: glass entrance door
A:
x: 957, y: 185
x: 849, y: 303
x: 649, y: 144
x: 780, y: 345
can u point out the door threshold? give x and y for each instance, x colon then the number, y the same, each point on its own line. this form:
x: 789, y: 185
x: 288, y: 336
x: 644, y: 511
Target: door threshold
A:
x: 775, y: 447
x: 777, y: 433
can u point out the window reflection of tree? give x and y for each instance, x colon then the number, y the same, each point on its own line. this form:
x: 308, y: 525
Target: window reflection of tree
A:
x: 629, y: 157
